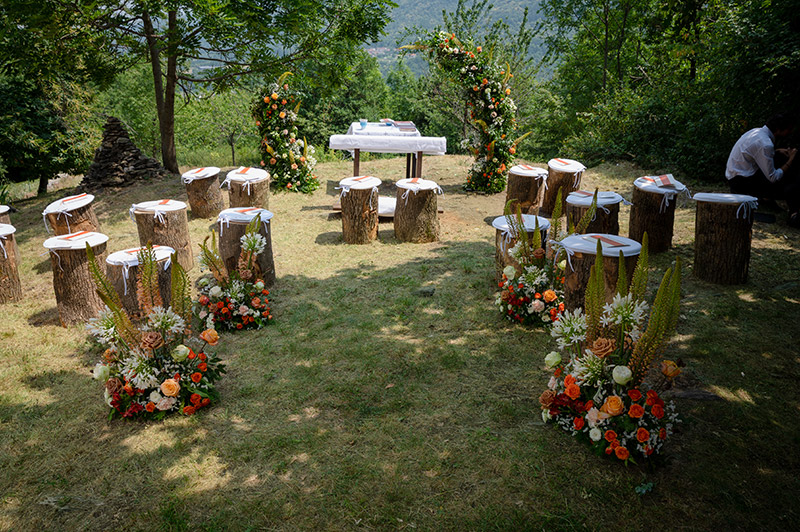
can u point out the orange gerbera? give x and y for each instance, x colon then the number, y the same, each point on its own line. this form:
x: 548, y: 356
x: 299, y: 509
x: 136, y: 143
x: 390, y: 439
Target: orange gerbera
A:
x: 197, y: 377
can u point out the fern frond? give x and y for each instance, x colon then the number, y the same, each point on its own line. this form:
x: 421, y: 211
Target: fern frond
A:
x: 125, y: 330
x: 555, y: 216
x: 147, y: 290
x: 102, y: 283
x: 212, y: 260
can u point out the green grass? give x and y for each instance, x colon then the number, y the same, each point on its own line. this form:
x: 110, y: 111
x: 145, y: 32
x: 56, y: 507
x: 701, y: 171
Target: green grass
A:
x: 369, y: 406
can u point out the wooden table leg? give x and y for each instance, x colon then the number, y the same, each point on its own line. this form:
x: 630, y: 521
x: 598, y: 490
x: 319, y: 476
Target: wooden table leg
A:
x: 419, y: 164
x: 408, y: 166
x: 356, y: 161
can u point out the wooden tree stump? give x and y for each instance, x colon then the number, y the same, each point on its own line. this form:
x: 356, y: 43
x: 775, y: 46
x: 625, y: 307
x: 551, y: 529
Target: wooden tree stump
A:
x: 416, y: 215
x: 359, y: 200
x: 248, y: 187
x: 10, y: 287
x: 722, y: 238
x: 76, y: 294
x: 71, y: 215
x: 564, y: 174
x: 5, y: 217
x: 202, y: 188
x: 122, y: 269
x: 580, y: 251
x: 165, y: 222
x: 232, y: 226
x: 525, y: 186
x: 606, y: 217
x: 653, y: 212
x: 506, y: 238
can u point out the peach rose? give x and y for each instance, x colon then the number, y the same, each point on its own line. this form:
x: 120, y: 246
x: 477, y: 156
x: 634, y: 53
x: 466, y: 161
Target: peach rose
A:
x: 549, y: 296
x: 602, y: 347
x: 210, y: 336
x: 573, y: 391
x: 170, y: 388
x: 114, y: 386
x: 151, y: 340
x: 547, y: 398
x: 613, y: 406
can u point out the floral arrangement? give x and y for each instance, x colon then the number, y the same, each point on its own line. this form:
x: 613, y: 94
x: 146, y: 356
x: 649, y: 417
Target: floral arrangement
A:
x: 289, y: 159
x: 239, y: 299
x: 155, y: 366
x: 598, y: 392
x: 492, y: 110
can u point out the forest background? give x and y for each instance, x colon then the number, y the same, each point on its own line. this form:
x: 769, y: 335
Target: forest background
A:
x: 667, y: 84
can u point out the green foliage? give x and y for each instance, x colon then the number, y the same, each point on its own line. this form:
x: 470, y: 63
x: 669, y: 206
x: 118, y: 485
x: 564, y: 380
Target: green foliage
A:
x: 640, y: 273
x: 210, y: 259
x: 595, y: 296
x: 147, y: 291
x: 104, y: 286
x: 180, y: 300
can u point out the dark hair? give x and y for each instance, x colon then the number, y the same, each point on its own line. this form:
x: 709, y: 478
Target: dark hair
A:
x: 780, y: 122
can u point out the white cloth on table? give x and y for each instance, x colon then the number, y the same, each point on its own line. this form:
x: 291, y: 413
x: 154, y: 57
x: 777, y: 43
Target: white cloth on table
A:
x: 389, y: 144
x: 380, y: 129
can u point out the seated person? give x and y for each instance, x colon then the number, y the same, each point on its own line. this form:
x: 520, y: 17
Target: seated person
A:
x: 752, y: 165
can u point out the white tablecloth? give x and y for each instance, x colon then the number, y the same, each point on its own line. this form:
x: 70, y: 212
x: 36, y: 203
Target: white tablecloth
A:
x: 389, y: 144
x: 380, y: 129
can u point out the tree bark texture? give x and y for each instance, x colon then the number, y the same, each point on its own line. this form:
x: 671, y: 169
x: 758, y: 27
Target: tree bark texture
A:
x: 360, y: 216
x: 577, y: 278
x: 647, y: 216
x: 5, y: 218
x: 501, y: 256
x: 526, y: 191
x: 556, y: 179
x: 130, y: 301
x: 258, y: 197
x: 722, y: 243
x: 76, y: 294
x: 172, y: 232
x: 10, y: 287
x: 605, y: 223
x: 416, y: 218
x: 230, y: 248
x: 205, y: 197
x: 82, y: 219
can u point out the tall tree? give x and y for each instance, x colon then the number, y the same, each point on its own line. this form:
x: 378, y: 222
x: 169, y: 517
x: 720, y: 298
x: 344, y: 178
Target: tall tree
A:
x: 213, y: 42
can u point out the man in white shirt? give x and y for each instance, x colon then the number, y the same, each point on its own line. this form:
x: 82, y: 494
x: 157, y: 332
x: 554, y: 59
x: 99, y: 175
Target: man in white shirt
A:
x: 752, y: 170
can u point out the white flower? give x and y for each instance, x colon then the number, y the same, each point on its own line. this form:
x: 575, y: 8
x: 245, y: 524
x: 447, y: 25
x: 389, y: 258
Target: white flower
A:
x: 259, y: 286
x: 202, y: 283
x: 101, y: 372
x: 595, y: 434
x: 552, y: 359
x: 107, y: 397
x: 570, y: 329
x: 624, y: 312
x: 510, y: 272
x: 622, y: 375
x: 562, y: 265
x: 253, y: 242
x: 103, y: 327
x: 552, y: 383
x: 546, y: 416
x: 537, y: 305
x: 166, y: 403
x: 215, y: 292
x: 180, y: 353
x: 165, y: 320
x: 155, y: 397
x: 137, y: 369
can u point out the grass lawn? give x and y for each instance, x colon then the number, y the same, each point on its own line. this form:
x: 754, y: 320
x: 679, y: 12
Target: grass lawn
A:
x: 367, y: 405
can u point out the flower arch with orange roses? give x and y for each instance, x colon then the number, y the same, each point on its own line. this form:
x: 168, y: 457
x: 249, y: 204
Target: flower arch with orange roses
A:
x: 288, y: 158
x: 492, y: 110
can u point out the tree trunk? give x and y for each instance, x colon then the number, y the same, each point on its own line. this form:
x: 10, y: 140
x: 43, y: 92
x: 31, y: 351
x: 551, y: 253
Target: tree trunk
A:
x: 566, y: 181
x: 80, y: 219
x: 526, y: 191
x: 722, y: 243
x: 230, y: 248
x: 126, y: 288
x: 605, y: 223
x: 10, y: 287
x: 76, y: 295
x: 256, y: 194
x: 576, y: 278
x: 172, y: 232
x: 205, y: 197
x: 647, y: 215
x: 43, y: 180
x: 416, y: 218
x: 360, y: 215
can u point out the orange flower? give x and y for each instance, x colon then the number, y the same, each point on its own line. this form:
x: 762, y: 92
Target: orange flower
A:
x: 188, y: 410
x: 274, y: 95
x: 150, y: 407
x: 670, y: 369
x: 549, y: 296
x: 202, y: 356
x: 282, y: 114
x: 622, y: 453
x: 610, y: 435
x: 573, y: 391
x: 206, y: 401
x: 202, y: 366
x: 613, y: 406
x: 636, y: 411
x: 657, y: 411
x: 662, y: 434
x: 512, y: 151
x: 569, y: 379
x: 210, y: 337
x: 478, y: 49
x: 635, y: 394
x: 642, y: 435
x: 652, y: 397
x: 197, y: 377
x: 537, y: 295
x: 508, y: 91
x: 578, y: 423
x: 170, y: 388
x: 195, y: 399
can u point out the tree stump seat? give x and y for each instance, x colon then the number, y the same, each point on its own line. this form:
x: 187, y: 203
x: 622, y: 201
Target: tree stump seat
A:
x: 653, y: 210
x: 10, y: 287
x: 165, y: 223
x: 232, y: 226
x: 526, y: 185
x: 506, y: 238
x: 202, y: 188
x: 359, y: 199
x: 580, y: 251
x: 122, y: 269
x: 5, y: 217
x: 76, y: 296
x: 71, y: 215
x: 416, y: 214
x: 723, y: 235
x: 606, y: 217
x: 564, y: 174
x: 247, y: 187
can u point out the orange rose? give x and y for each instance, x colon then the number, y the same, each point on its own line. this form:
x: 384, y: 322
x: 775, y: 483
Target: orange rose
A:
x: 657, y: 411
x: 635, y: 394
x: 195, y: 399
x: 573, y: 391
x: 578, y: 423
x: 202, y: 366
x: 197, y: 377
x: 205, y: 402
x: 642, y: 435
x: 613, y: 406
x: 569, y: 379
x: 622, y: 453
x: 549, y: 296
x: 150, y: 407
x: 636, y: 411
x: 210, y: 337
x: 662, y: 433
x: 170, y: 388
x: 610, y: 435
x: 670, y: 369
x: 188, y: 410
